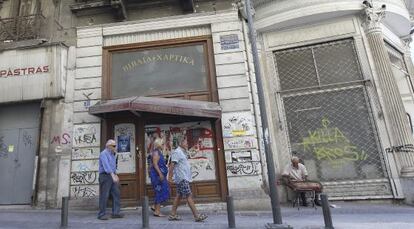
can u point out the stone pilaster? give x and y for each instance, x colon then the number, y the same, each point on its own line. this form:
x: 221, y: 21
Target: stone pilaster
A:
x: 407, y: 57
x: 393, y: 107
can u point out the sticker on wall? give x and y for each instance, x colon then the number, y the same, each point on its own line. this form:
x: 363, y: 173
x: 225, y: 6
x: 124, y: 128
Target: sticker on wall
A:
x: 240, y: 143
x: 243, y: 155
x: 58, y: 149
x: 237, y: 124
x: 11, y: 148
x: 125, y: 145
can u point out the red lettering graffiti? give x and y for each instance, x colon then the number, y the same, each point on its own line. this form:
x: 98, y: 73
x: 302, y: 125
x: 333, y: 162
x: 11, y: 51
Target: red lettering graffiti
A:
x: 63, y: 139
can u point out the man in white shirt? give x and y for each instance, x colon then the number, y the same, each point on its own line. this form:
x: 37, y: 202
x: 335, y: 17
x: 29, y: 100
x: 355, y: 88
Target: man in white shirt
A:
x: 296, y: 177
x: 295, y: 171
x: 180, y: 175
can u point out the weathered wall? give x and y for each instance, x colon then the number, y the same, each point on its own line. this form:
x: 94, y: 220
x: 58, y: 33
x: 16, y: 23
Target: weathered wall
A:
x: 243, y: 160
x: 325, y: 28
x: 148, y: 11
x: 56, y: 143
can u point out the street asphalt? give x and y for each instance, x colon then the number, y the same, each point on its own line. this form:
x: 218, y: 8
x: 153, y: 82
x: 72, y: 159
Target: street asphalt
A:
x: 344, y: 215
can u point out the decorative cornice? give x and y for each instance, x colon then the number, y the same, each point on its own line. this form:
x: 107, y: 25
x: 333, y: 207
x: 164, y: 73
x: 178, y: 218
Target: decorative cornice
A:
x: 406, y: 42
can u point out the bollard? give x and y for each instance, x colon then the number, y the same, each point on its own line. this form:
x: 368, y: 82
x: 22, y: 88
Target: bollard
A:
x: 64, y: 212
x: 145, y: 213
x: 230, y: 212
x: 326, y: 212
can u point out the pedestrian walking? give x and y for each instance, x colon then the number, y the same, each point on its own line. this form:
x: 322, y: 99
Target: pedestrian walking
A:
x: 109, y: 182
x: 180, y: 174
x: 158, y: 174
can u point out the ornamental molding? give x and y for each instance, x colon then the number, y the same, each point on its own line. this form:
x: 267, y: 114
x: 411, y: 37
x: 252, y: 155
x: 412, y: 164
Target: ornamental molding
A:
x: 373, y: 16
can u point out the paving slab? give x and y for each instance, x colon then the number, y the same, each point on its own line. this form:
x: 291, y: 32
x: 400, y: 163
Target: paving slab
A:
x: 344, y: 216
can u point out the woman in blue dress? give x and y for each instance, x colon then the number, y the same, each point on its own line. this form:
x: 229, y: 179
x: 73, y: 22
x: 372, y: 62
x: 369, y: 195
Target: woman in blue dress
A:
x: 158, y: 174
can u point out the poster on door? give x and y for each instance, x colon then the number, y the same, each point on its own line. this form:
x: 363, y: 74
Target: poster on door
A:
x: 125, y: 147
x: 200, y: 152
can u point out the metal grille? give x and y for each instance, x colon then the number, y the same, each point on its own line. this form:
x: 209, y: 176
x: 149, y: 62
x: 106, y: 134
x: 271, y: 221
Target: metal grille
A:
x: 330, y: 129
x: 318, y: 65
x: 332, y: 132
x: 296, y: 69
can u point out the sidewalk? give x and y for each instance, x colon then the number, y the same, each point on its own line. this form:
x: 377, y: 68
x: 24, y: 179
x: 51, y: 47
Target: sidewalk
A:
x: 346, y: 215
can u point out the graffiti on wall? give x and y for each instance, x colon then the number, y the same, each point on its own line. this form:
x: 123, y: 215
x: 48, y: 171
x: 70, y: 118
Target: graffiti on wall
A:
x: 85, y: 153
x: 61, y: 139
x: 86, y: 135
x: 3, y: 148
x: 82, y: 178
x: 84, y: 191
x: 125, y: 139
x: 237, y: 124
x: 85, y: 166
x: 28, y: 140
x: 407, y: 148
x: 331, y: 145
x: 199, y: 137
x: 243, y: 168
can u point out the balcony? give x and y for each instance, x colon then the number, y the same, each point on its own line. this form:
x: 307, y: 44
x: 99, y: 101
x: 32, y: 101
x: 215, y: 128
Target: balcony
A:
x: 119, y: 7
x: 21, y: 28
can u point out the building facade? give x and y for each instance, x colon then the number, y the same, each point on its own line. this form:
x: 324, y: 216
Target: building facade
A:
x: 338, y: 93
x: 338, y: 77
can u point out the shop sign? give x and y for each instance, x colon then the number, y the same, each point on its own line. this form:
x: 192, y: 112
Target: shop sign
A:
x: 230, y: 41
x: 159, y: 70
x: 22, y: 71
x: 32, y: 74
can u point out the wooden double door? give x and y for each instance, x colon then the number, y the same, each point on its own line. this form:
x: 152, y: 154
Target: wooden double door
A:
x: 135, y: 134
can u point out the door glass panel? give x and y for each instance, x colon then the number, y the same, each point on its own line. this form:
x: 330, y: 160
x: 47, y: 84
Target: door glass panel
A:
x: 125, y: 140
x: 200, y: 143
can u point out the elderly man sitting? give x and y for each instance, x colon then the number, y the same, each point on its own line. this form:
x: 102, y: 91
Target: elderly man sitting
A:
x: 296, y: 177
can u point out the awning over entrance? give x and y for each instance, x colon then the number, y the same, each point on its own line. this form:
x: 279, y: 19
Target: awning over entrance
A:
x: 157, y: 105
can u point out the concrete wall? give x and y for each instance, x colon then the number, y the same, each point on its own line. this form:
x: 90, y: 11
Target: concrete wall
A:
x: 56, y: 144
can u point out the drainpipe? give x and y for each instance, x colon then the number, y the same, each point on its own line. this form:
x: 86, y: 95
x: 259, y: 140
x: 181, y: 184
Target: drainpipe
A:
x: 274, y: 196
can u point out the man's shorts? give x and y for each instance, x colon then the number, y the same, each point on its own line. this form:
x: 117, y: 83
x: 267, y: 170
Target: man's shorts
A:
x: 183, y: 189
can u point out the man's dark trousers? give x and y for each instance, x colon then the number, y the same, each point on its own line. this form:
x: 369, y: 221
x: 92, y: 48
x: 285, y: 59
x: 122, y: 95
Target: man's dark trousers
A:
x: 106, y: 187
